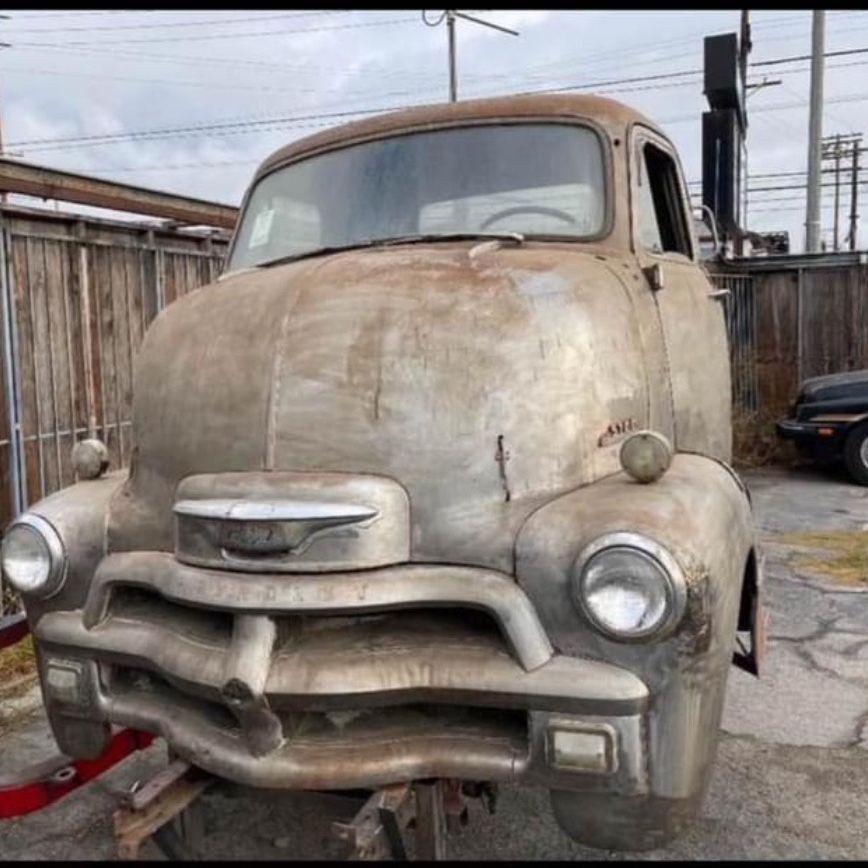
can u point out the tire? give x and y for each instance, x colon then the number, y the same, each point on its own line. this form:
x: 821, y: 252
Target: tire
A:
x: 856, y: 454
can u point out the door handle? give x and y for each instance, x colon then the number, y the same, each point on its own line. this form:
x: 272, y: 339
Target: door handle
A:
x: 718, y: 294
x: 654, y: 276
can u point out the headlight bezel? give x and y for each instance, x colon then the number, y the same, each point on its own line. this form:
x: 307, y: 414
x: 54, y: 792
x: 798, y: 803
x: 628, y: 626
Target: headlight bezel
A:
x: 675, y: 583
x: 57, y: 561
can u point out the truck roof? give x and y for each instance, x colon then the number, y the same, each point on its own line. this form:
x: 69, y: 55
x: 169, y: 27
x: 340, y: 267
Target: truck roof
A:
x: 608, y: 113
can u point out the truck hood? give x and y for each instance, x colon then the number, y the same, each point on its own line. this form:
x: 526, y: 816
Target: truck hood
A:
x: 481, y: 379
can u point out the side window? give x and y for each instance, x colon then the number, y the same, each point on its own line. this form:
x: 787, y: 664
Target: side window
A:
x: 661, y: 219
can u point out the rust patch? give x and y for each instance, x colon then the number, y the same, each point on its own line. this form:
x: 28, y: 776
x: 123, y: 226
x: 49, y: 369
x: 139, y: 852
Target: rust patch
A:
x: 695, y: 633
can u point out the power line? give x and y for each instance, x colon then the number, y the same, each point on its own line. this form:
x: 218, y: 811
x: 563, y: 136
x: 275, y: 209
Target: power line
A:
x: 211, y: 36
x: 297, y: 88
x: 808, y: 57
x: 791, y: 187
x: 593, y: 59
x: 135, y: 134
x: 169, y: 132
x: 221, y: 21
x: 221, y: 128
x: 79, y: 14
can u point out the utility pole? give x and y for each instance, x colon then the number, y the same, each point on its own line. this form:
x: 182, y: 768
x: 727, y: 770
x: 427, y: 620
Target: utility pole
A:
x: 3, y: 196
x: 453, y: 76
x: 450, y: 15
x: 837, y: 155
x: 854, y: 195
x: 744, y: 47
x: 815, y: 133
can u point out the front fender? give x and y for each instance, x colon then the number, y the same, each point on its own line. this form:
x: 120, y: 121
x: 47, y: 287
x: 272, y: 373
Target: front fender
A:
x: 78, y: 514
x: 700, y: 512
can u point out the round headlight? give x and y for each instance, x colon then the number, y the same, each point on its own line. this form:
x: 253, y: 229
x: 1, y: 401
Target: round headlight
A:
x: 32, y: 556
x: 629, y: 587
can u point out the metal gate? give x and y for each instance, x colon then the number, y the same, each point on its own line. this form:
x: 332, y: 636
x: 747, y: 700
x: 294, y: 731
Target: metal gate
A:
x: 741, y: 325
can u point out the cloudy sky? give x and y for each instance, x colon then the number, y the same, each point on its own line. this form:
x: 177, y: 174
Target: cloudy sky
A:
x: 191, y: 101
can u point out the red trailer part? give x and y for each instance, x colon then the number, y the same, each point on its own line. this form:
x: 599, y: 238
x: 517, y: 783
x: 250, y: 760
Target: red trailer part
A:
x: 37, y: 786
x: 13, y: 628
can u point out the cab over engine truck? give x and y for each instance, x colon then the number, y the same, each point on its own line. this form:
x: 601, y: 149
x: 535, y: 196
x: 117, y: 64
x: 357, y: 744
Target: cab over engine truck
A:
x: 432, y: 482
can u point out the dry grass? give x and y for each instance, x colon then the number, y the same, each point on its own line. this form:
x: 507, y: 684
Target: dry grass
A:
x: 754, y: 441
x: 17, y: 662
x: 841, y: 555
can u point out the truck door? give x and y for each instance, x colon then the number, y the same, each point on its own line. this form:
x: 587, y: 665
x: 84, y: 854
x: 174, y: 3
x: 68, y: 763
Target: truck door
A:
x: 691, y: 318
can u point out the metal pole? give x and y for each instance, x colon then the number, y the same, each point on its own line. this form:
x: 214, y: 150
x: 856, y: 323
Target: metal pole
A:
x: 837, y: 187
x: 453, y: 78
x: 815, y: 133
x: 854, y: 195
x: 12, y: 378
x: 743, y: 52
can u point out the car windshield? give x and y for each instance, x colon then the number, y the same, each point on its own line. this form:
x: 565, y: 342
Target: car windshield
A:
x: 542, y: 179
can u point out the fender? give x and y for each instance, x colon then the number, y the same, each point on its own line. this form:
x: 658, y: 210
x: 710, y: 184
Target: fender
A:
x: 701, y: 514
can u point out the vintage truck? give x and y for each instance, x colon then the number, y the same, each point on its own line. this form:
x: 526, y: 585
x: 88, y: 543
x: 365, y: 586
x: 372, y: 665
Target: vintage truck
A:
x: 431, y: 483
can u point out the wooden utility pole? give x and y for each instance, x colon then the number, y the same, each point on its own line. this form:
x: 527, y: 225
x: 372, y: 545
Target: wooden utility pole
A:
x: 837, y: 155
x: 854, y: 194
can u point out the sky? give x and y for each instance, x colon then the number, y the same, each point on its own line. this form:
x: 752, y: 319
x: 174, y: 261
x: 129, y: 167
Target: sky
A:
x: 192, y: 101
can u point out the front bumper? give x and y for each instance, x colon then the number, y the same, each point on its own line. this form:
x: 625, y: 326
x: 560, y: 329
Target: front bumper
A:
x: 341, y: 680
x: 823, y: 437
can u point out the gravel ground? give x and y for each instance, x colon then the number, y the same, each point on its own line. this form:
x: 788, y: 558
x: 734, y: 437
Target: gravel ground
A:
x: 789, y: 783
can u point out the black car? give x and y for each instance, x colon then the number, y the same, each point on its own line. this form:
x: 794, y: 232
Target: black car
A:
x: 830, y: 420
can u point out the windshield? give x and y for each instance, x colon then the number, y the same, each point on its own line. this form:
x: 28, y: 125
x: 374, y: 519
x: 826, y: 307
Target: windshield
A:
x: 532, y: 178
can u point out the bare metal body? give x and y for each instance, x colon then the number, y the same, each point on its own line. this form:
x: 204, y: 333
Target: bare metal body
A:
x: 460, y: 406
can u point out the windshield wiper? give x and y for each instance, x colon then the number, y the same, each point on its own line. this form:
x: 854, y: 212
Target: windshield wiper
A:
x: 517, y: 237
x: 319, y: 251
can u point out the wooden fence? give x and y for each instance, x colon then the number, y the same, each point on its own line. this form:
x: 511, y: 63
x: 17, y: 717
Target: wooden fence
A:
x: 790, y: 318
x: 77, y: 296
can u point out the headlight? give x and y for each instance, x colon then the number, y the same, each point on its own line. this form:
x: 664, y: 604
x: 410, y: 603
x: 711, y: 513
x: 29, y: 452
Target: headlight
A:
x: 32, y: 556
x: 630, y: 587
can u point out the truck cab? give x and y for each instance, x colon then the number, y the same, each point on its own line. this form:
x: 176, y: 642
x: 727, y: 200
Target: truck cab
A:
x: 432, y: 482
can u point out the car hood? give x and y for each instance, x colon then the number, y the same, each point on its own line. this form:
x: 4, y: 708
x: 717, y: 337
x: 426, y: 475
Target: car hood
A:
x: 479, y: 378
x: 846, y: 384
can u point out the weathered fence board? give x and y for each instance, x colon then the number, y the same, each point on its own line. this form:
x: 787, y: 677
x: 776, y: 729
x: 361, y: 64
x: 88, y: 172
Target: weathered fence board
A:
x: 804, y: 317
x: 78, y: 295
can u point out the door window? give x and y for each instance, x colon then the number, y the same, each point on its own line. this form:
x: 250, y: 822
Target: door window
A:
x: 661, y: 221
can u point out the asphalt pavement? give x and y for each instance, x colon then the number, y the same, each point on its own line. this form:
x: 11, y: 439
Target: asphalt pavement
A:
x: 789, y: 782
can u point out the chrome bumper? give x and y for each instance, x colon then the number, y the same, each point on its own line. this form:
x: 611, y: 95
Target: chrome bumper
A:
x: 231, y: 668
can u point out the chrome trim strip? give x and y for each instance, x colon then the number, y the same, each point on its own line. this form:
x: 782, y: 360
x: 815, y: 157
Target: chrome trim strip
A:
x: 335, y: 763
x: 316, y: 672
x: 226, y: 509
x: 375, y: 590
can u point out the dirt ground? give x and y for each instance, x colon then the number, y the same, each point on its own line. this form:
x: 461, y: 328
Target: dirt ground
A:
x: 792, y: 768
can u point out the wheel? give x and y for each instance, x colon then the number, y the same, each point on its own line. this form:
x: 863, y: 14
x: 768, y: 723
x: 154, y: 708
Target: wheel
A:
x: 856, y: 453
